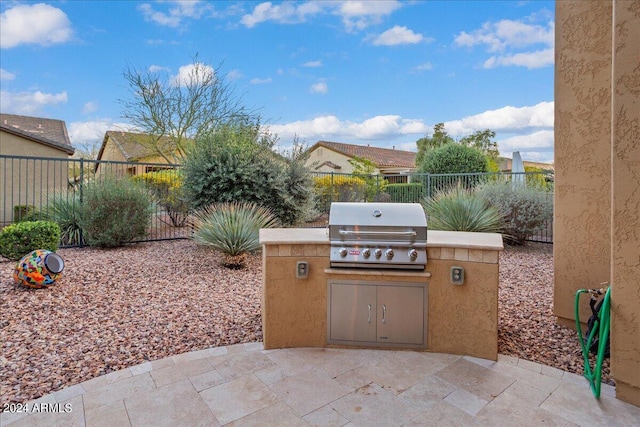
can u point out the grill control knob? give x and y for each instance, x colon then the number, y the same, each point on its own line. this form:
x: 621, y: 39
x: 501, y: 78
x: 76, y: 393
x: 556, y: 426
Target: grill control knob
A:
x: 413, y: 254
x: 343, y: 252
x: 388, y: 253
x: 378, y: 253
x: 366, y: 253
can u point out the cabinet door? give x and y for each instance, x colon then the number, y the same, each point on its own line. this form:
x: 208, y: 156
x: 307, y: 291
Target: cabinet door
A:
x: 401, y: 314
x: 353, y: 312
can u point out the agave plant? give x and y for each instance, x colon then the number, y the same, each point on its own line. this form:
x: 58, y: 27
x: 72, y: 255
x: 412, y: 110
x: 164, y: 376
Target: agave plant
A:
x: 232, y: 228
x: 459, y: 209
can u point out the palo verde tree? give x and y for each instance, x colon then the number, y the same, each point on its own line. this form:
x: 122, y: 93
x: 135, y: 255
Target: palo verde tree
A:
x: 174, y: 111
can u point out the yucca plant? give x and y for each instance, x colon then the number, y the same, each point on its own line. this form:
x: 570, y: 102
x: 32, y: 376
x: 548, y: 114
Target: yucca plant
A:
x: 459, y: 209
x: 64, y: 209
x: 232, y: 228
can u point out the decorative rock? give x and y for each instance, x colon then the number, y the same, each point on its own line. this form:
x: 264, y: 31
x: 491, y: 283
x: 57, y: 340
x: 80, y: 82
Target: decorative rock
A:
x: 38, y: 269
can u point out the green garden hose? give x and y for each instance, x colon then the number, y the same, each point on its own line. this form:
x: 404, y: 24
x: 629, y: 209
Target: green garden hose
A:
x: 600, y: 330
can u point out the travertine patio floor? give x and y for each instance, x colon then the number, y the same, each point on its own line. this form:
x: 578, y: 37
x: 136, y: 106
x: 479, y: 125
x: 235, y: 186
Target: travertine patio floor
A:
x: 244, y: 385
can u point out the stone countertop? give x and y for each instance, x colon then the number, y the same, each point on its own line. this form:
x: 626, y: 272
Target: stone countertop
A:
x: 435, y: 239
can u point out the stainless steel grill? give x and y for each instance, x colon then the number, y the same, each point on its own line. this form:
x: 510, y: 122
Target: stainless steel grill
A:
x: 378, y: 235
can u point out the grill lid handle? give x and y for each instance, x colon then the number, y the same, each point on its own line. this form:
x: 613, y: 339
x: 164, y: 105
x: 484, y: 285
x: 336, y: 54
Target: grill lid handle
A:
x: 376, y: 233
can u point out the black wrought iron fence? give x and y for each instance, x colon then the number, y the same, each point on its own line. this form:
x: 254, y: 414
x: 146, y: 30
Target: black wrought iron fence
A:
x: 40, y: 187
x: 49, y: 188
x: 415, y: 188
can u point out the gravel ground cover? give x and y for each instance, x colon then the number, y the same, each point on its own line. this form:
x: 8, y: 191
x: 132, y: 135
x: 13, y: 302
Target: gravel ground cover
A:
x: 122, y: 307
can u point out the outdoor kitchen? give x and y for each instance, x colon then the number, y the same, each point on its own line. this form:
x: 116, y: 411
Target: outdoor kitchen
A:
x: 377, y: 278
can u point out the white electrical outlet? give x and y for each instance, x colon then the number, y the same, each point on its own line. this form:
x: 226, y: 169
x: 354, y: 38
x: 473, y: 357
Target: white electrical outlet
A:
x: 457, y: 275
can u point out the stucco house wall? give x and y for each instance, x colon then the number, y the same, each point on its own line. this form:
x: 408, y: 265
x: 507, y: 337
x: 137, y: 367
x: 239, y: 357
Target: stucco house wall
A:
x: 30, y: 137
x: 323, y: 159
x: 597, y: 171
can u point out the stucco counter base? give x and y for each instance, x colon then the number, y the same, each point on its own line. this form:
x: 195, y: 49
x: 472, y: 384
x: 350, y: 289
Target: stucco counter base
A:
x: 460, y: 319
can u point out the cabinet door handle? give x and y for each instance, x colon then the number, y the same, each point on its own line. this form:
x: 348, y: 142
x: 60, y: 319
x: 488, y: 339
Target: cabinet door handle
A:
x: 369, y: 319
x: 384, y: 312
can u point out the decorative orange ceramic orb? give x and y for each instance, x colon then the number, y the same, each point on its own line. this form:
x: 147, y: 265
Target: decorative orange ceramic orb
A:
x: 38, y: 269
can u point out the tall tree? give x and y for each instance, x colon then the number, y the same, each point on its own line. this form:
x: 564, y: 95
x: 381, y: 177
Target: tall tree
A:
x: 173, y: 111
x: 439, y: 138
x: 483, y: 141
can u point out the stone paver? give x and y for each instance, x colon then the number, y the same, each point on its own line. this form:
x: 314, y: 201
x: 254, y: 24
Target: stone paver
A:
x: 244, y: 385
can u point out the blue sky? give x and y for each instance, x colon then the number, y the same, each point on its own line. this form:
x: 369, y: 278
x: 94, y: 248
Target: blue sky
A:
x: 377, y: 72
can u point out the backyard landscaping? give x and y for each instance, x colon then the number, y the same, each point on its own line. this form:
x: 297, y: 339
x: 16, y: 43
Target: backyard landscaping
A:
x: 115, y: 308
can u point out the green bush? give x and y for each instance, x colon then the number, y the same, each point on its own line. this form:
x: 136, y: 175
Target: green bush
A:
x: 23, y: 213
x: 525, y: 209
x: 459, y: 209
x: 166, y: 186
x: 232, y: 228
x: 338, y: 188
x: 64, y: 210
x: 454, y: 158
x: 18, y: 239
x: 115, y: 212
x: 231, y: 165
x: 406, y: 193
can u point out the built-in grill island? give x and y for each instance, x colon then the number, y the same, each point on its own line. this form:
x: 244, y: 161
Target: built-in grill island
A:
x: 383, y: 312
x: 376, y: 277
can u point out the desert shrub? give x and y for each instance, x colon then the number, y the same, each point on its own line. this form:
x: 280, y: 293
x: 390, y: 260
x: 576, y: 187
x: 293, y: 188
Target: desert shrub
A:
x: 338, y: 188
x: 64, y: 210
x: 538, y: 178
x: 166, y: 186
x: 115, y: 212
x: 453, y: 158
x: 459, y: 209
x: 18, y: 239
x: 23, y: 213
x: 406, y: 193
x: 230, y: 164
x: 525, y: 209
x: 232, y: 228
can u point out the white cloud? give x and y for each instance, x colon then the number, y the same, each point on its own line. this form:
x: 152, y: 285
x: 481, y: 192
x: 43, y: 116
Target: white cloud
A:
x: 398, y: 35
x: 90, y: 107
x: 284, y: 13
x: 320, y: 87
x: 6, y: 75
x: 312, y: 64
x: 525, y: 129
x: 509, y: 38
x: 506, y: 119
x: 234, y: 74
x: 29, y: 102
x: 362, y: 14
x: 192, y: 72
x: 87, y: 135
x: 40, y: 24
x: 175, y: 16
x: 537, y: 59
x: 330, y: 127
x: 258, y: 81
x: 355, y: 15
x: 422, y: 67
x: 158, y: 68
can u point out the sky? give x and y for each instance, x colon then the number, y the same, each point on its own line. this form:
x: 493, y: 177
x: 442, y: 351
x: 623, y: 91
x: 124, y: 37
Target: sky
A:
x: 379, y: 73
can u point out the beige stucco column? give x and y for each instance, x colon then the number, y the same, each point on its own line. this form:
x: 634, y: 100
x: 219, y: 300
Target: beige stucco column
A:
x: 597, y: 160
x: 625, y: 201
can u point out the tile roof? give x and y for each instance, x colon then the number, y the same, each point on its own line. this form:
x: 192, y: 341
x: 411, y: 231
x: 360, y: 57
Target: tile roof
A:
x: 381, y: 157
x: 131, y: 145
x: 49, y: 132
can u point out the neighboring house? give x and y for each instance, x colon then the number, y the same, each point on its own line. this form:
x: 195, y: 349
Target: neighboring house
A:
x: 32, y: 138
x: 118, y: 146
x: 325, y: 156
